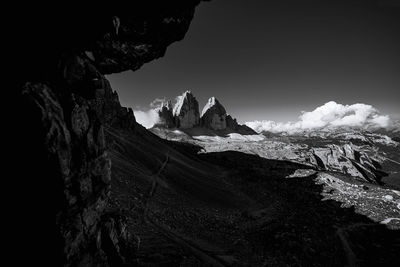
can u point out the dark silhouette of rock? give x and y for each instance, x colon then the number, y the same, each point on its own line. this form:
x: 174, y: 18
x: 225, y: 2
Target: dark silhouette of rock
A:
x: 65, y: 104
x: 233, y: 126
x: 166, y: 117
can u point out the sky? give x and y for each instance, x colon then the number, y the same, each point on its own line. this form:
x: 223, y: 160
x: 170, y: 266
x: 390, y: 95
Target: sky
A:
x: 271, y: 60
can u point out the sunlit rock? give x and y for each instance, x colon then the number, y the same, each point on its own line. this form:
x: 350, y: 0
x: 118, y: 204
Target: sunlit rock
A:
x: 186, y: 111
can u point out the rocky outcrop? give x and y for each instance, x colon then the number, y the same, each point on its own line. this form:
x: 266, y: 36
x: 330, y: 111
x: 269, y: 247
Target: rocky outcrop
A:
x: 65, y: 103
x: 347, y: 160
x: 186, y: 111
x: 233, y: 126
x: 214, y: 117
x: 81, y: 74
x: 185, y: 115
x: 76, y: 157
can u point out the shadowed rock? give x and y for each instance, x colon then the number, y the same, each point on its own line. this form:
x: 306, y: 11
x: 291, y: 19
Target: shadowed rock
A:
x: 213, y: 115
x: 166, y: 117
x: 186, y: 111
x: 66, y: 103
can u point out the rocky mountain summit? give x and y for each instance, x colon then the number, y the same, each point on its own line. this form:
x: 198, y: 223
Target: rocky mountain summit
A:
x: 185, y: 116
x: 186, y: 111
x: 213, y: 115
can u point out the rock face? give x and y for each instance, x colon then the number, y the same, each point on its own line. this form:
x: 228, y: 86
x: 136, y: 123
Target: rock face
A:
x: 347, y: 160
x: 75, y: 155
x: 165, y: 112
x: 185, y: 115
x: 213, y: 115
x: 186, y: 111
x: 65, y: 103
x: 233, y: 126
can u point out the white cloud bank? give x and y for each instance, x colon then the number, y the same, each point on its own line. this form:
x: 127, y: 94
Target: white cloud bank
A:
x: 146, y: 118
x: 329, y: 115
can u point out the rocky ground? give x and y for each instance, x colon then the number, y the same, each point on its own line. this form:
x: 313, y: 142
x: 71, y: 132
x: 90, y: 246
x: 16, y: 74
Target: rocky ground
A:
x: 353, y: 173
x: 230, y: 208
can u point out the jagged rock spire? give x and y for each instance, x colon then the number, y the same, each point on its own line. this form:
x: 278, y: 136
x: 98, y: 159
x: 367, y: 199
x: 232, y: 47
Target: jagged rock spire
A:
x: 186, y: 111
x: 213, y: 115
x: 166, y: 118
x: 185, y: 115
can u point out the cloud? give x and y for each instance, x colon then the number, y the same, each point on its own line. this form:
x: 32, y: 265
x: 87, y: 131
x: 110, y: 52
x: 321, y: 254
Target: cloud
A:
x: 329, y: 115
x: 156, y: 103
x: 147, y: 118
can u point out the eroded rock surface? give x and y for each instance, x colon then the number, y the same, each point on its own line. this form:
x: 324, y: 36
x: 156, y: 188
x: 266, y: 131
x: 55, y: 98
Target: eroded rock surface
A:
x: 348, y: 161
x: 213, y: 115
x: 185, y: 115
x: 380, y: 204
x: 66, y: 104
x: 186, y: 111
x: 166, y: 117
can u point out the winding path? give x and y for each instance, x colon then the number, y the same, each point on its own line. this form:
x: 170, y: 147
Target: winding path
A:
x: 205, y: 255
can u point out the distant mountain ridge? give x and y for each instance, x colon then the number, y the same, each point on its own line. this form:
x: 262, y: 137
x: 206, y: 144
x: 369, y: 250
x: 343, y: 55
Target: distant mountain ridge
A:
x: 382, y: 136
x: 185, y: 115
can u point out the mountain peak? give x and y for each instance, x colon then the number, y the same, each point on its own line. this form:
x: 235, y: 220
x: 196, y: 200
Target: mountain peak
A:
x: 214, y: 105
x: 182, y: 99
x: 186, y: 110
x: 166, y: 104
x: 185, y: 115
